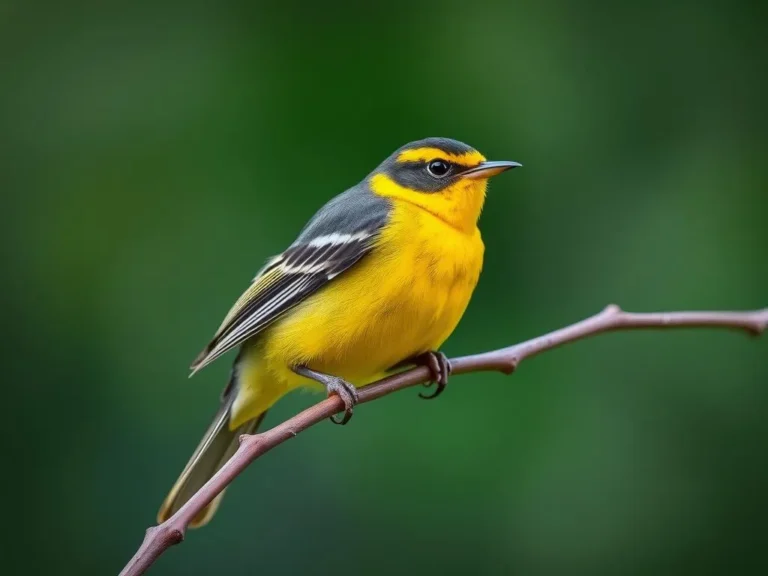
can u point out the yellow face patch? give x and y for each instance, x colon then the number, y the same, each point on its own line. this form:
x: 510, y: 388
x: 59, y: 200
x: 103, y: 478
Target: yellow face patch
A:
x: 468, y: 159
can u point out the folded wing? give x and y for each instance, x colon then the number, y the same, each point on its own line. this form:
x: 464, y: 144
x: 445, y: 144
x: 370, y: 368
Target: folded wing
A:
x: 315, y: 259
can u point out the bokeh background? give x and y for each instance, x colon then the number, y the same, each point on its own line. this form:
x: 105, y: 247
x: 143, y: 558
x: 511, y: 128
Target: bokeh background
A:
x: 155, y: 153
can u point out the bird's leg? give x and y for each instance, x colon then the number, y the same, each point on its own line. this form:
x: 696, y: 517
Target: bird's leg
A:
x: 438, y: 365
x: 334, y: 385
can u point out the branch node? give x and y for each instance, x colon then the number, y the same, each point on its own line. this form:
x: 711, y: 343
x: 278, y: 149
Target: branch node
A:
x: 510, y: 365
x: 246, y: 440
x: 164, y: 533
x: 175, y: 536
x: 762, y: 322
x: 612, y: 309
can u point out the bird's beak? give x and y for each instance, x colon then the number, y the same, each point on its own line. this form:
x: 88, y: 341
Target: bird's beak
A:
x: 488, y: 169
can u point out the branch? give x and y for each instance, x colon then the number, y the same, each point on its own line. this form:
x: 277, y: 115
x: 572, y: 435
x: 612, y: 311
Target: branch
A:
x: 506, y: 360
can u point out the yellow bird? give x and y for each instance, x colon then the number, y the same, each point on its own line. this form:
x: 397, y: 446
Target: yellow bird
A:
x: 378, y: 278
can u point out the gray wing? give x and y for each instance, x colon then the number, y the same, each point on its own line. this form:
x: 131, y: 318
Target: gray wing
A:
x: 338, y: 236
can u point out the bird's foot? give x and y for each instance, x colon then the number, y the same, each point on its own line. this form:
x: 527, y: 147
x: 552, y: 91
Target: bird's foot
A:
x: 334, y: 385
x: 348, y: 394
x: 439, y: 366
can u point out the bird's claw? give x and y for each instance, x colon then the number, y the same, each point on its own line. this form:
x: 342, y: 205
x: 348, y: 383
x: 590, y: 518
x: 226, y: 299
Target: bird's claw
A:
x: 333, y: 385
x: 440, y: 367
x: 348, y: 394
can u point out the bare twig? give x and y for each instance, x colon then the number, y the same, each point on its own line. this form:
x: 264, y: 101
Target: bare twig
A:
x: 506, y: 360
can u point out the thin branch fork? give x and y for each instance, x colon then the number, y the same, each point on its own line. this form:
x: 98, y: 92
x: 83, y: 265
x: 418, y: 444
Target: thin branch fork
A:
x: 160, y: 538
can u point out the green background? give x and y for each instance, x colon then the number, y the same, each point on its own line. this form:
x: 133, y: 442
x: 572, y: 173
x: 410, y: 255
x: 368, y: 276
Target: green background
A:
x: 154, y: 154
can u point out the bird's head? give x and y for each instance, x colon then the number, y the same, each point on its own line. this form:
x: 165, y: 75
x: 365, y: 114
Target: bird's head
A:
x: 445, y: 177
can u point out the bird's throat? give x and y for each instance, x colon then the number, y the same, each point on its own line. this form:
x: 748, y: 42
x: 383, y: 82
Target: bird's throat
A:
x: 458, y: 205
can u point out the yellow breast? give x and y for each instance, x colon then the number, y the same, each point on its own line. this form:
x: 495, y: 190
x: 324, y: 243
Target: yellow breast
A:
x: 405, y: 298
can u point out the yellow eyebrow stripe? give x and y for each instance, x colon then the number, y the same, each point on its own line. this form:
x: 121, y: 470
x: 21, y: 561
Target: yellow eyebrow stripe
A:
x: 426, y: 154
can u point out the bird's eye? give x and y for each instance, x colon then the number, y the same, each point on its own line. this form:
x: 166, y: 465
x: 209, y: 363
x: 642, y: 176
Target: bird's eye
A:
x: 438, y: 168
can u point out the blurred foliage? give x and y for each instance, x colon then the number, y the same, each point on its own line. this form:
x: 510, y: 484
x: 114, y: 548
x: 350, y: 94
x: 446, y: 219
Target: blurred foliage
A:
x: 154, y: 154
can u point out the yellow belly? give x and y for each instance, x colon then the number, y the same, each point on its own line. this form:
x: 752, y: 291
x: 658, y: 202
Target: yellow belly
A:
x: 404, y: 298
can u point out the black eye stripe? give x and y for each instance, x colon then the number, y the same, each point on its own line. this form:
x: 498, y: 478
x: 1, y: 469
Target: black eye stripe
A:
x: 414, y: 174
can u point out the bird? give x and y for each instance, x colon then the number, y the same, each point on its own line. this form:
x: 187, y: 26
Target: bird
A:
x: 376, y: 280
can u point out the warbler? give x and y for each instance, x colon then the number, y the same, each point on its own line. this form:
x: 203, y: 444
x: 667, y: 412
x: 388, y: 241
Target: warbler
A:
x: 378, y: 279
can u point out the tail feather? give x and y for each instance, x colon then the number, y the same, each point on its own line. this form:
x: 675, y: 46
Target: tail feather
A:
x: 217, y: 446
